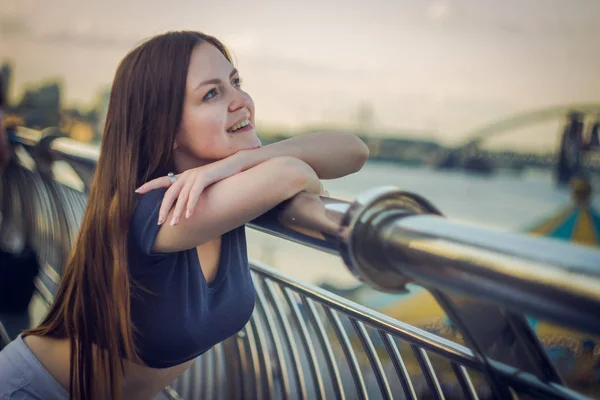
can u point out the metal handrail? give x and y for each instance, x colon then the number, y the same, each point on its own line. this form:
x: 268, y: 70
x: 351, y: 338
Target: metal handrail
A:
x: 397, y: 238
x: 387, y: 238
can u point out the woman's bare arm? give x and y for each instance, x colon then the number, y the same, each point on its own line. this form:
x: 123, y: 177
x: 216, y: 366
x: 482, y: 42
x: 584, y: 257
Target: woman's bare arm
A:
x: 236, y: 200
x: 330, y: 154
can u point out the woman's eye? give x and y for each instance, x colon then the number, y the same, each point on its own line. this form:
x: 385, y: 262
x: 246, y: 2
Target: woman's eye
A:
x: 237, y: 82
x: 212, y: 93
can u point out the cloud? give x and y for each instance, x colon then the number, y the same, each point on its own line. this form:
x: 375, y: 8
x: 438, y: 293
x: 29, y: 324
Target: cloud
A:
x: 82, y: 25
x: 14, y: 26
x: 245, y: 43
x: 438, y: 11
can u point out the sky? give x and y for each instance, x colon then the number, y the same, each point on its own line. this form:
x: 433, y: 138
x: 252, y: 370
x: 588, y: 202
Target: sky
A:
x: 438, y: 68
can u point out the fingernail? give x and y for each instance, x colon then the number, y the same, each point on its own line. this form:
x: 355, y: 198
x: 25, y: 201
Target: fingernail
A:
x: 188, y: 213
x: 137, y: 190
x: 174, y: 221
x: 161, y: 219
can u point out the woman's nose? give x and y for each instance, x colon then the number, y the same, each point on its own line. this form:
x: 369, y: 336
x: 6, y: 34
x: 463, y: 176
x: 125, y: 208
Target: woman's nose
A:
x: 239, y: 100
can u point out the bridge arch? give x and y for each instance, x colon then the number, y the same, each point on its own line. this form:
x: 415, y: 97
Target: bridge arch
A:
x: 528, y: 118
x: 569, y: 161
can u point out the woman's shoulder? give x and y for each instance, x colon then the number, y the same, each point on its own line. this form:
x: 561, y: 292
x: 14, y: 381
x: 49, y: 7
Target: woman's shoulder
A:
x: 144, y: 221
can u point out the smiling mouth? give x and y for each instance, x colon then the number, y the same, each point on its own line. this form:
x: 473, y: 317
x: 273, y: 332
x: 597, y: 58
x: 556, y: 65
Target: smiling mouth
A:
x: 241, y: 126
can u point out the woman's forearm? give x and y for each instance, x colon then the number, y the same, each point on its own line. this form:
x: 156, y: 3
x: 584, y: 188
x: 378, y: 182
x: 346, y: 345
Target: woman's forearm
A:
x: 330, y: 154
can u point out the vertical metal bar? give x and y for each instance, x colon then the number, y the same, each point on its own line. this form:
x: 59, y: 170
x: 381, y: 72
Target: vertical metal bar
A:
x: 457, y: 314
x: 240, y: 346
x: 193, y: 378
x: 532, y: 346
x: 222, y: 377
x: 62, y: 231
x: 326, y: 345
x: 401, y: 371
x: 254, y: 371
x: 197, y: 384
x: 367, y: 344
x: 275, y: 338
x: 211, y: 374
x: 355, y: 370
x: 203, y: 383
x: 308, y: 344
x: 266, y: 377
x: 233, y: 368
x: 464, y: 381
x: 292, y: 348
x: 265, y: 380
x: 428, y: 372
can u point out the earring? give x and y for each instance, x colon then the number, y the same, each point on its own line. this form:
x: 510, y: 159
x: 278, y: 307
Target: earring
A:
x: 175, y: 146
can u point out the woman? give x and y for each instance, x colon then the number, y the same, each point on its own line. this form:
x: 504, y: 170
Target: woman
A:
x: 158, y: 276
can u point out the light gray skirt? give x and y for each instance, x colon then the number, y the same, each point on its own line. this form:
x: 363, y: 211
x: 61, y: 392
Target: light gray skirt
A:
x: 22, y: 376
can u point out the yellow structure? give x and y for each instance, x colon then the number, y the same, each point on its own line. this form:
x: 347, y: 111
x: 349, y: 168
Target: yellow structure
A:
x: 578, y: 222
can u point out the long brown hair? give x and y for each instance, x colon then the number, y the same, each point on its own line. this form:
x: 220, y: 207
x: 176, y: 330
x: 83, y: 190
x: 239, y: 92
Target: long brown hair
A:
x: 92, y: 305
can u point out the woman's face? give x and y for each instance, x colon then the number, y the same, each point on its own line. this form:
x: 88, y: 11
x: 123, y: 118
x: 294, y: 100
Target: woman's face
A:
x: 218, y: 116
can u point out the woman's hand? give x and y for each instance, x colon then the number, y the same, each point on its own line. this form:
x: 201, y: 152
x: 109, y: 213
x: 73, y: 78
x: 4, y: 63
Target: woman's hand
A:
x: 188, y: 187
x: 314, y: 184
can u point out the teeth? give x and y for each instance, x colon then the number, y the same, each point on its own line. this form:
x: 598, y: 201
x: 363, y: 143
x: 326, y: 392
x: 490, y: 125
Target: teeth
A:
x: 239, y: 126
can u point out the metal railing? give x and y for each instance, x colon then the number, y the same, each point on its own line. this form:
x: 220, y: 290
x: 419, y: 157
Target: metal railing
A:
x: 304, y: 342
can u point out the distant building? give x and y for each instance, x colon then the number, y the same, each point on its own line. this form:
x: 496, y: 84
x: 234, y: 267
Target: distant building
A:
x: 40, y: 108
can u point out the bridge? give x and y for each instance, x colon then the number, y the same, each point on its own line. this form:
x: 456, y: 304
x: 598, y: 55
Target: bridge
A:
x: 578, y: 153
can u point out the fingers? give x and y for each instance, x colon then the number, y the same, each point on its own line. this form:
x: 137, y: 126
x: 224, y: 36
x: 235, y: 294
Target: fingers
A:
x: 162, y: 182
x: 186, y: 191
x: 195, y: 193
x: 170, y: 196
x: 182, y: 201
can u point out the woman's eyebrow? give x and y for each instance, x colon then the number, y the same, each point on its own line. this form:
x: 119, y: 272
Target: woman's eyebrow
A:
x: 216, y: 81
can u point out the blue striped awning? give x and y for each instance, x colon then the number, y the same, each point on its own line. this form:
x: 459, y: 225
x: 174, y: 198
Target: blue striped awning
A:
x: 577, y: 222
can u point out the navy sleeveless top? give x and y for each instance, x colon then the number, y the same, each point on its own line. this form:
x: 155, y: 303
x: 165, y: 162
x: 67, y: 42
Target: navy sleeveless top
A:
x: 177, y: 315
